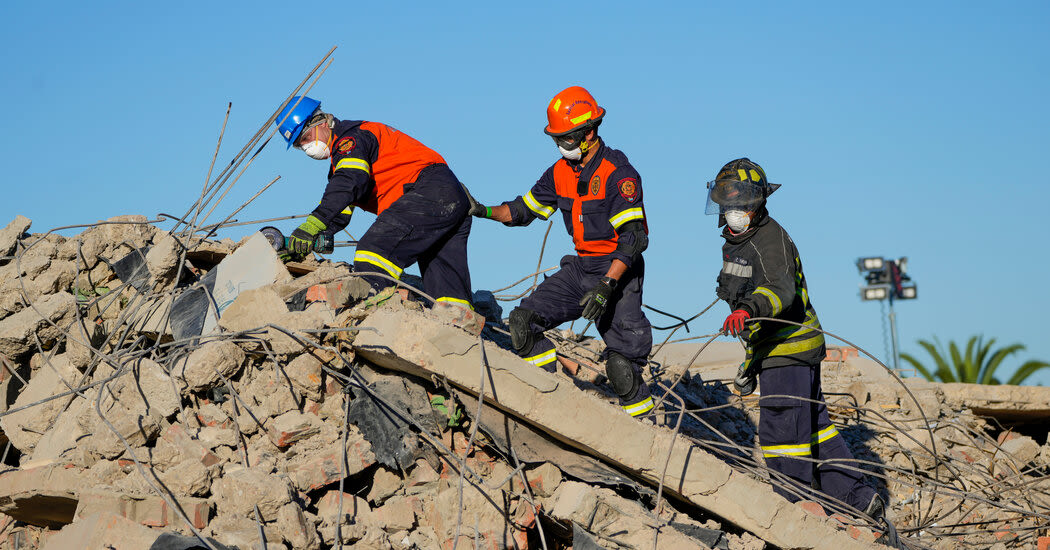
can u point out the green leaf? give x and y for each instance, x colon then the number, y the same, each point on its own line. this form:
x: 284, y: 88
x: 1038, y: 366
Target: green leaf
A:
x: 918, y: 367
x: 997, y: 358
x: 1027, y: 369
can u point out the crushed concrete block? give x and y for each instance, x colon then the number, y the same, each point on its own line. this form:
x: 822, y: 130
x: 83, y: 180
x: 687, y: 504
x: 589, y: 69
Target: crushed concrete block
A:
x: 384, y: 484
x: 44, y: 496
x: 204, y: 368
x: 48, y: 317
x: 294, y: 322
x: 253, y: 265
x: 212, y: 437
x: 293, y: 426
x: 26, y: 427
x: 149, y: 510
x: 144, y: 388
x: 83, y: 336
x: 62, y: 440
x: 1022, y: 449
x: 315, y: 469
x: 189, y: 477
x: 252, y: 309
x: 296, y: 529
x: 305, y: 373
x: 398, y: 513
x: 211, y: 415
x: 243, y: 533
x: 102, y: 531
x: 459, y: 316
x: 493, y: 529
x: 13, y: 231
x: 918, y: 447
x: 355, y: 508
x: 603, y: 512
x: 543, y: 479
x: 421, y: 478
x: 190, y: 448
x: 238, y: 491
x: 162, y: 261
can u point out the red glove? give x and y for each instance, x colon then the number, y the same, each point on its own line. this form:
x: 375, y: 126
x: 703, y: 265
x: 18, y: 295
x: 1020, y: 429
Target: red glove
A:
x: 734, y: 324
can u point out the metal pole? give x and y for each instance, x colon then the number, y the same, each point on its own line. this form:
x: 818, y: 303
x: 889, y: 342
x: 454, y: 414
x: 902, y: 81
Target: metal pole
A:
x: 893, y: 335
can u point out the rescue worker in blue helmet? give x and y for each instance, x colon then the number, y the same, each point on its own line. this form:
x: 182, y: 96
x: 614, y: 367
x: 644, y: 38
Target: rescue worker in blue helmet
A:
x: 762, y: 277
x: 600, y: 196
x: 421, y: 207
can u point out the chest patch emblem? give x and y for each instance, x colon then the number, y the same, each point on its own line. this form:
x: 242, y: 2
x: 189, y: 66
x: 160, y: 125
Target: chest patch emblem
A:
x: 345, y: 145
x: 628, y: 189
x: 596, y: 184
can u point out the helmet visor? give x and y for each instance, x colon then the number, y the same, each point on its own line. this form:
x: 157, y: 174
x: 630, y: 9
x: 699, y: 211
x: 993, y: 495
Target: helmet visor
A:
x: 729, y: 194
x: 572, y: 139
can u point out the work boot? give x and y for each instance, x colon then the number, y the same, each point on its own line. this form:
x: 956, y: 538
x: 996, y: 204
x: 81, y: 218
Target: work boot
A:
x: 876, y: 509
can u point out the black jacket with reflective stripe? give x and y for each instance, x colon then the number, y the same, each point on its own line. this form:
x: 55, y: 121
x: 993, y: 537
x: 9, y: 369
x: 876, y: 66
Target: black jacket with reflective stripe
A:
x: 762, y: 274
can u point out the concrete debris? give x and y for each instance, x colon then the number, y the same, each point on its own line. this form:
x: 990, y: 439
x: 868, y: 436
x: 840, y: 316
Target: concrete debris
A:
x: 157, y: 388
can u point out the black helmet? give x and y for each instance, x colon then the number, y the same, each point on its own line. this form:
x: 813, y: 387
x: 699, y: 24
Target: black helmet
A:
x: 740, y: 185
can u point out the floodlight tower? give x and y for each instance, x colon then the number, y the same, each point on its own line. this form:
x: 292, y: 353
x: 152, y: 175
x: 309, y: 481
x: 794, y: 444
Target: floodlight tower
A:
x: 885, y: 281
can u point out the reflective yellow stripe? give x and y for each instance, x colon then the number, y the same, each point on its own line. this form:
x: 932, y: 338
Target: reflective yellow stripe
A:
x: 773, y: 299
x: 581, y: 118
x: 349, y: 210
x: 557, y: 105
x: 544, y: 358
x: 825, y: 434
x: 798, y: 347
x: 535, y: 205
x: 359, y: 164
x: 455, y: 301
x: 640, y: 407
x: 626, y: 216
x: 377, y: 260
x: 770, y: 451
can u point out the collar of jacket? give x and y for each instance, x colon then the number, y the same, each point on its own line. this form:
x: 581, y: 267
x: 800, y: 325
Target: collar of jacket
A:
x: 761, y: 218
x: 583, y: 174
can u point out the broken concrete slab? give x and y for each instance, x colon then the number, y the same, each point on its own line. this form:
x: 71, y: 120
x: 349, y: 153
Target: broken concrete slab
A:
x: 102, y: 531
x: 254, y: 264
x: 421, y: 346
x: 43, y: 496
x: 240, y: 490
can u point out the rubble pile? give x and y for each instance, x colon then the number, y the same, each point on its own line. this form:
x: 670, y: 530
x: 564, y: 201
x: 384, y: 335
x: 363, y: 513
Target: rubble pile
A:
x: 165, y: 391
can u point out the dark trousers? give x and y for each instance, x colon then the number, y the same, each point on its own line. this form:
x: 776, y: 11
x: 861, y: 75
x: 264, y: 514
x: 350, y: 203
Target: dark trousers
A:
x: 791, y: 430
x: 429, y: 225
x: 623, y: 326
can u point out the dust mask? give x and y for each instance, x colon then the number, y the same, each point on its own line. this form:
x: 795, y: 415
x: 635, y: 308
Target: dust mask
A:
x: 738, y: 220
x: 571, y: 154
x: 317, y: 150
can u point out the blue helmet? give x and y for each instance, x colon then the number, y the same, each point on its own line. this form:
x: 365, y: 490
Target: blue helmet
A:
x: 294, y: 124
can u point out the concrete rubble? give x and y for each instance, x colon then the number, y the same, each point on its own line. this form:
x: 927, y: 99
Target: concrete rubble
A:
x: 162, y: 391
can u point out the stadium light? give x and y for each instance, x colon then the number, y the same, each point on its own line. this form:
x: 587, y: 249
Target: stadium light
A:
x: 885, y: 280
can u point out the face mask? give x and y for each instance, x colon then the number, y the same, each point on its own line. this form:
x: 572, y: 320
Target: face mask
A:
x: 573, y: 154
x: 317, y: 150
x: 737, y: 220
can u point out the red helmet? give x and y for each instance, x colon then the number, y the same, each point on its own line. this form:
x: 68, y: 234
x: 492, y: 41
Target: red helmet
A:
x: 573, y: 108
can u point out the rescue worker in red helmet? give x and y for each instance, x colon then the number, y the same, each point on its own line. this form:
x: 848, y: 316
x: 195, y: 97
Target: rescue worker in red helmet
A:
x: 762, y: 277
x: 600, y: 196
x: 422, y: 209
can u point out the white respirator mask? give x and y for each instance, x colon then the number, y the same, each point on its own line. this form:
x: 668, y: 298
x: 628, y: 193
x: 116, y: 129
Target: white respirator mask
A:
x: 317, y: 150
x: 737, y: 220
x: 571, y: 154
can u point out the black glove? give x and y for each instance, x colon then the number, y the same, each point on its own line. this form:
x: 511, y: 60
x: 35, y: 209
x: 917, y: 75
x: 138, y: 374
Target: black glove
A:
x: 597, y: 298
x: 746, y: 380
x: 477, y: 209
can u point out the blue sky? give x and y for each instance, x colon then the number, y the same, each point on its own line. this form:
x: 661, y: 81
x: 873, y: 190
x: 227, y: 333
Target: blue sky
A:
x: 897, y: 129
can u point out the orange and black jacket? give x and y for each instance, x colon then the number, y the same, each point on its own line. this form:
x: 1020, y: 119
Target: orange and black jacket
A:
x: 371, y: 164
x: 598, y: 203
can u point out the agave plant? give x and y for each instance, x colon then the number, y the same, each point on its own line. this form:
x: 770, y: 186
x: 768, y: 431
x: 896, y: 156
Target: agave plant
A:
x: 976, y: 366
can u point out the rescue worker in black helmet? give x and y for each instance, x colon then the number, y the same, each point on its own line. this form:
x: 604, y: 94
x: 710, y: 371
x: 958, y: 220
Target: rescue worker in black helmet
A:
x: 762, y: 277
x: 600, y: 196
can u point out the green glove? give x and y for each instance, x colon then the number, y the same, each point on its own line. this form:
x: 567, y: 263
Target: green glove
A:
x: 302, y: 240
x: 597, y: 298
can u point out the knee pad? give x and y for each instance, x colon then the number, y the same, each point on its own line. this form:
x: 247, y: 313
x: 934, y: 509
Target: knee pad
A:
x: 622, y: 375
x: 522, y: 337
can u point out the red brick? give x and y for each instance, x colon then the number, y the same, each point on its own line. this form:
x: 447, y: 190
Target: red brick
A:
x: 813, y: 507
x: 1043, y: 543
x: 189, y: 446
